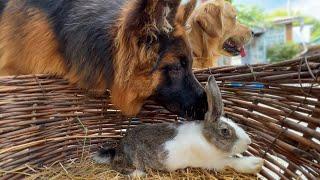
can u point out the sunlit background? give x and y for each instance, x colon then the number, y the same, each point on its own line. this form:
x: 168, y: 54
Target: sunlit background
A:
x: 283, y: 29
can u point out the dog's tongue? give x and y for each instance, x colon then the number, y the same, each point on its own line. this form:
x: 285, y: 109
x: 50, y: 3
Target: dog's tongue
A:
x: 242, y: 52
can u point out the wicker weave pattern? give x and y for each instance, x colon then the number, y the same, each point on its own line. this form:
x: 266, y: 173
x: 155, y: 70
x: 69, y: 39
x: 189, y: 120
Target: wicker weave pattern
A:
x: 44, y: 119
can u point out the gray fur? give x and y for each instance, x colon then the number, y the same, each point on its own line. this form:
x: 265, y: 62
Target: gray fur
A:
x: 213, y: 133
x: 101, y: 159
x: 142, y: 148
x: 215, y: 104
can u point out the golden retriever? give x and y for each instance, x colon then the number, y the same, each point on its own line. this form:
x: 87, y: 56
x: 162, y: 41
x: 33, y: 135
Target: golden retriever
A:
x: 215, y: 31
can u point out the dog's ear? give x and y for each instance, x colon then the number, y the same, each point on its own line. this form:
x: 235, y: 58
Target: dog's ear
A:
x: 147, y: 18
x: 185, y: 11
x: 220, y: 2
x: 209, y: 18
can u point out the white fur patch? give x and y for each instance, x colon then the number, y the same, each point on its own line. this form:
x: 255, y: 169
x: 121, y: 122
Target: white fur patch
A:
x: 243, y: 141
x: 100, y: 159
x: 137, y: 174
x: 190, y: 149
x: 251, y: 165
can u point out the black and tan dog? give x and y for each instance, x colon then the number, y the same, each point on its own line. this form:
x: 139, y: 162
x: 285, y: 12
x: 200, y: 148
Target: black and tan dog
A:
x: 135, y: 48
x: 2, y: 6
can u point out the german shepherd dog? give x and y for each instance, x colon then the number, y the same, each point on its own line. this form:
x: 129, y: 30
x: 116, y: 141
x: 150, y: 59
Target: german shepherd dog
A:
x: 135, y: 48
x: 2, y: 5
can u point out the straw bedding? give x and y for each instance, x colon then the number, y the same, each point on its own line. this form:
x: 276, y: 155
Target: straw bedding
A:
x: 45, y: 121
x: 90, y: 170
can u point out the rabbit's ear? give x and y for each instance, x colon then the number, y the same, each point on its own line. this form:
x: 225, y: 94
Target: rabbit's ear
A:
x: 215, y: 104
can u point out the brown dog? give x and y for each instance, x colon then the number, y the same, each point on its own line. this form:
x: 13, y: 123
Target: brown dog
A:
x: 135, y: 48
x: 215, y: 31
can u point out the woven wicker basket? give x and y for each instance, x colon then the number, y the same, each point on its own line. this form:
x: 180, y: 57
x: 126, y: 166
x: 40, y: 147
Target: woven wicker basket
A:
x: 44, y: 120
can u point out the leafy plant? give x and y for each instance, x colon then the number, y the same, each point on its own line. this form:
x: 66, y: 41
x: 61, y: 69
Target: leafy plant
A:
x: 252, y: 16
x: 282, y: 52
x: 280, y: 13
x: 315, y: 31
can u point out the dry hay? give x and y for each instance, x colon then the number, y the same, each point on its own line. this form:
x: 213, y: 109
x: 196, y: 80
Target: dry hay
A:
x: 87, y: 169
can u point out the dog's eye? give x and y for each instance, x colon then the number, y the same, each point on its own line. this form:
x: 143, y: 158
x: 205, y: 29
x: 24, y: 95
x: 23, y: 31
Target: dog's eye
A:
x: 183, y: 61
x: 174, y: 71
x: 173, y: 68
x: 176, y: 68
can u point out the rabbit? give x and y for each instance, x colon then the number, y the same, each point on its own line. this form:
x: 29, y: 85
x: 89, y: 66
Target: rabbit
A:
x: 209, y: 144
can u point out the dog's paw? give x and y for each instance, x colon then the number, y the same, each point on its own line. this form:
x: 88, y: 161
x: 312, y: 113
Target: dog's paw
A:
x: 249, y: 165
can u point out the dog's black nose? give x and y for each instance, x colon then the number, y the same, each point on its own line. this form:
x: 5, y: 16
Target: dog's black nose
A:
x: 252, y: 33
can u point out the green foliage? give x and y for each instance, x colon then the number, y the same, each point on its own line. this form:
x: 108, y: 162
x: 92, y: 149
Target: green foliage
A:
x: 282, y: 52
x: 280, y: 13
x: 315, y: 31
x: 252, y: 16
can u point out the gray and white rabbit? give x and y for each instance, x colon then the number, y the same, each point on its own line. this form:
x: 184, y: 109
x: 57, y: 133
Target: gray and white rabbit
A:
x: 208, y: 144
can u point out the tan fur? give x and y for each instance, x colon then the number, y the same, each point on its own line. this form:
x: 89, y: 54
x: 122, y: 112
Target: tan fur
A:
x: 185, y: 11
x: 211, y: 25
x: 31, y: 47
x: 133, y: 64
x: 33, y: 37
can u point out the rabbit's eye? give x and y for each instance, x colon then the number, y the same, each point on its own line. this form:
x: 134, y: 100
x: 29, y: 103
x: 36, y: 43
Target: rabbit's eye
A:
x: 225, y: 132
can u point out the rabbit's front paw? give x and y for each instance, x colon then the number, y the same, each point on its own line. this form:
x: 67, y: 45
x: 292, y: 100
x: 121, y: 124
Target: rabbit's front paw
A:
x: 250, y: 165
x: 137, y: 174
